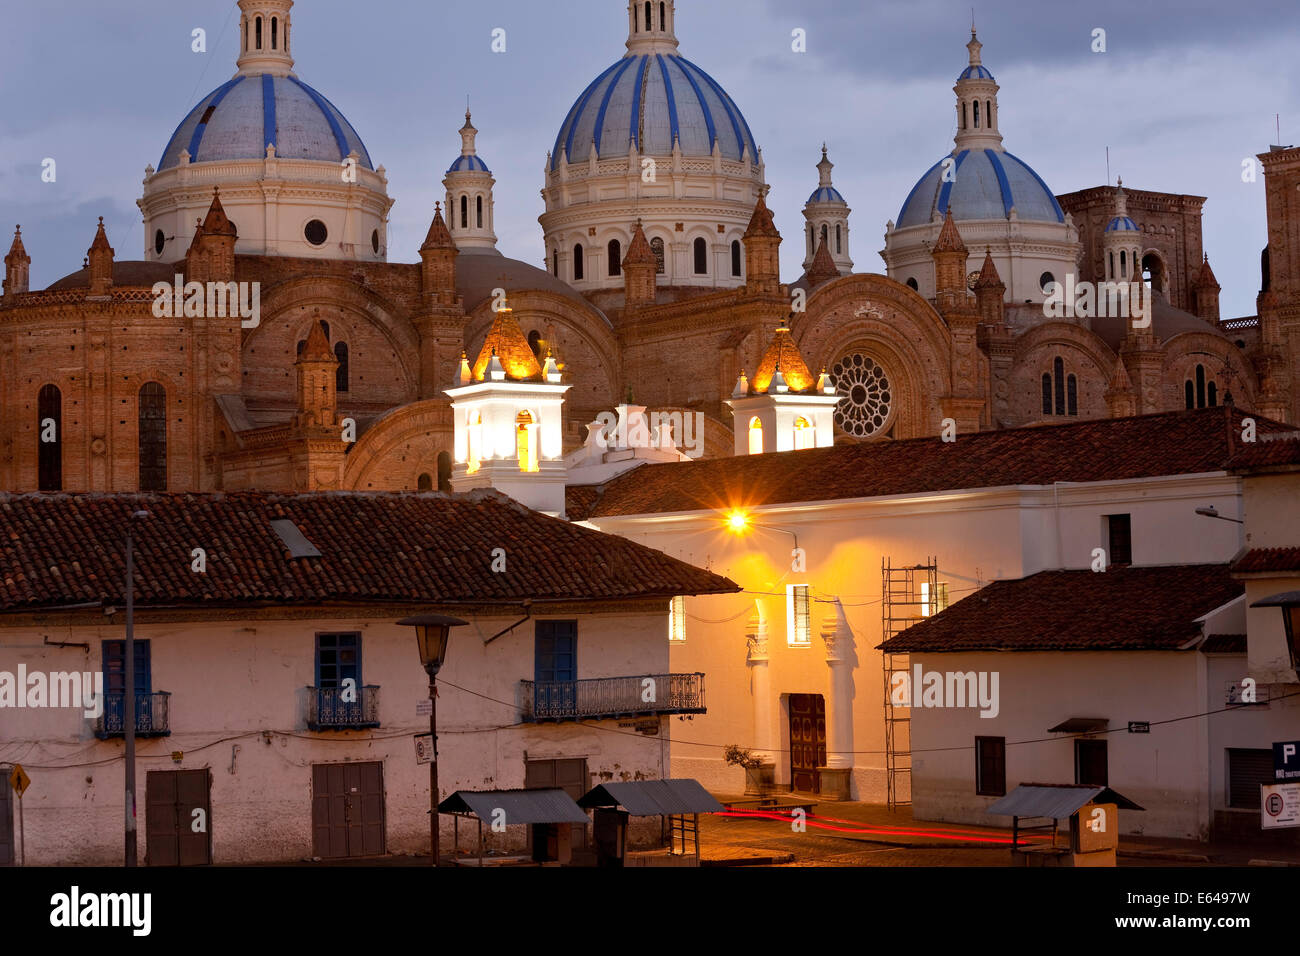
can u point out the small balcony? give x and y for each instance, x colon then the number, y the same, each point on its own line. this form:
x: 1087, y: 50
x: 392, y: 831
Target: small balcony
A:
x: 152, y: 716
x: 613, y: 697
x: 327, y: 710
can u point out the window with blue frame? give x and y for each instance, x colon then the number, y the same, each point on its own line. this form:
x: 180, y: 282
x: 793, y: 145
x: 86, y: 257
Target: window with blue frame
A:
x: 341, y: 697
x: 114, y: 656
x: 555, y: 668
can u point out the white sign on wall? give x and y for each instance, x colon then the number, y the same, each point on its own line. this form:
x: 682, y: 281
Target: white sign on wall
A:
x: 424, y: 748
x: 1279, y: 805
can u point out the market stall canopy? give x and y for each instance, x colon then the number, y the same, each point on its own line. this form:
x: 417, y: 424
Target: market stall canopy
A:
x: 519, y: 806
x: 653, y: 798
x: 1056, y: 801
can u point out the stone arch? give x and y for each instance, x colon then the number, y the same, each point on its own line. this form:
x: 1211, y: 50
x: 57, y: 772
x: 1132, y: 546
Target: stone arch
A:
x: 399, y: 446
x: 1084, y: 355
x: 1154, y: 259
x: 895, y: 327
x: 1224, y: 362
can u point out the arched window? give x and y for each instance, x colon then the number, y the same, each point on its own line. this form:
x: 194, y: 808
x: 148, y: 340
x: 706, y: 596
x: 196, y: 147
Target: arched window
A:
x: 839, y: 243
x: 1200, y: 391
x: 657, y: 247
x: 977, y: 114
x: 1213, y: 391
x: 824, y: 232
x: 577, y: 263
x: 1200, y: 386
x: 555, y: 263
x: 341, y: 374
x: 464, y: 212
x: 535, y: 343
x: 988, y: 113
x: 913, y: 284
x: 424, y: 482
x: 1189, y: 393
x: 663, y: 16
x: 1058, y: 372
x: 152, y: 412
x: 1047, y: 393
x: 735, y: 257
x: 473, y: 442
x: 1123, y: 264
x: 275, y: 31
x: 811, y: 250
x: 49, y: 435
x: 615, y: 250
x: 963, y: 115
x: 444, y: 471
x: 479, y: 202
x: 803, y: 433
x: 1060, y: 391
x: 1072, y: 395
x: 526, y: 441
x: 257, y: 31
x: 246, y: 28
x: 1112, y: 265
x: 755, y: 436
x: 701, y: 257
x: 647, y: 16
x: 326, y: 327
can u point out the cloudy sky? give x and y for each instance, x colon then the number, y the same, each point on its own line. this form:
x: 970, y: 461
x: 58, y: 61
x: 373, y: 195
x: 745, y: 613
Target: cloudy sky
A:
x: 1186, y: 90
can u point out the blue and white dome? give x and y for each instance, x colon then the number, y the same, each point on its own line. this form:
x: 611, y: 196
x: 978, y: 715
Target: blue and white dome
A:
x: 468, y: 164
x: 826, y: 194
x: 985, y: 184
x: 1122, y: 224
x: 975, y: 72
x: 239, y: 118
x: 650, y: 100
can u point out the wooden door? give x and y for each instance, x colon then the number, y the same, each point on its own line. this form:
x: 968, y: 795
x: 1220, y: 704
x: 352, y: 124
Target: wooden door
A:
x: 347, y: 810
x: 807, y: 741
x: 569, y: 775
x: 1090, y: 764
x: 178, y: 818
x: 6, y: 820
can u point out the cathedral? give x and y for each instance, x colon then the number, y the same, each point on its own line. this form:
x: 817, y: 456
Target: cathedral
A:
x: 661, y: 285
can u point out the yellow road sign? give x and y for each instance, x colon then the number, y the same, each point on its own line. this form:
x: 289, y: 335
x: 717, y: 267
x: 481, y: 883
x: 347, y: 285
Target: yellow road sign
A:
x: 19, y: 779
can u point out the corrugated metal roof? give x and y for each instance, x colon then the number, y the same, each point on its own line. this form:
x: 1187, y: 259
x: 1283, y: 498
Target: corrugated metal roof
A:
x: 653, y: 798
x: 1079, y: 725
x: 520, y: 806
x: 1055, y: 801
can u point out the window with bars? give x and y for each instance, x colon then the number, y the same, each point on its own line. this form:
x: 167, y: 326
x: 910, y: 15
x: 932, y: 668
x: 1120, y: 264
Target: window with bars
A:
x: 338, y: 658
x: 677, y: 620
x: 798, y: 619
x: 556, y: 651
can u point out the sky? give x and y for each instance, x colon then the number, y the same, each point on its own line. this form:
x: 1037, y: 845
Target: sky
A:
x: 1185, y: 92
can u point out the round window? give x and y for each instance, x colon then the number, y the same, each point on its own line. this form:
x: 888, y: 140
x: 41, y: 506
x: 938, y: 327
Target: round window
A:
x: 374, y: 241
x: 1045, y: 280
x: 159, y: 242
x: 911, y: 284
x: 316, y: 233
x: 868, y: 397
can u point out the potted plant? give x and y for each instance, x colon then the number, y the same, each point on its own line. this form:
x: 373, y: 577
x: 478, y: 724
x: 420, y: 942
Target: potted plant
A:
x: 760, y: 777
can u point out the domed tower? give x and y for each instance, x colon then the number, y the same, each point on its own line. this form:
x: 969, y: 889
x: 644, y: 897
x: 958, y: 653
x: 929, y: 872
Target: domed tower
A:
x: 653, y: 138
x: 1122, y: 243
x: 997, y: 200
x: 469, y: 185
x: 295, y: 177
x: 827, y: 216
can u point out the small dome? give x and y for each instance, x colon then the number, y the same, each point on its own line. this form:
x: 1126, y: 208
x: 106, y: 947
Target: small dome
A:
x: 975, y: 72
x: 239, y: 118
x: 826, y: 194
x: 984, y: 184
x: 651, y: 100
x: 468, y: 164
x: 1122, y: 224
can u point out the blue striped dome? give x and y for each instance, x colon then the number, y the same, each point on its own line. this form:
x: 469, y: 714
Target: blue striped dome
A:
x: 975, y: 73
x: 649, y: 99
x: 826, y: 194
x: 1122, y: 224
x: 239, y: 118
x: 468, y: 164
x: 985, y: 184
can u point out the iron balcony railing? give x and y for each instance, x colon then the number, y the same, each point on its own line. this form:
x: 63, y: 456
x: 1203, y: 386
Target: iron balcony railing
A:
x: 327, y: 709
x: 152, y: 716
x: 610, y: 697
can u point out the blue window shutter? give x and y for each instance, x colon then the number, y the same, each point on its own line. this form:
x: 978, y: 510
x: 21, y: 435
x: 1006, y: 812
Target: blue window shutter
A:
x: 556, y: 651
x: 114, y: 654
x: 338, y: 657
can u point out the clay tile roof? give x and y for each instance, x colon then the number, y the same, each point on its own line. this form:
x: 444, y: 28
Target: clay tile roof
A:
x: 793, y: 368
x: 1205, y: 278
x: 216, y: 223
x: 949, y: 238
x: 1169, y: 443
x: 422, y: 550
x: 317, y: 348
x: 823, y: 267
x: 100, y: 242
x: 1269, y: 452
x: 507, y: 341
x: 439, y: 236
x: 1121, y: 609
x: 761, y: 223
x: 17, y: 252
x: 989, y: 278
x: 638, y: 250
x: 1264, y: 560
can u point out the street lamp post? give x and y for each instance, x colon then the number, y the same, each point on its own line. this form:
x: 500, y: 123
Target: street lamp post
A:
x: 431, y: 633
x: 128, y: 701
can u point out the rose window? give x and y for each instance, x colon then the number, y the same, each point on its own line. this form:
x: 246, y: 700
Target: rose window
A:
x: 868, y: 398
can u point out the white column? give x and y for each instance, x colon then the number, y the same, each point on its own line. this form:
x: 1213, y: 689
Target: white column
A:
x: 839, y: 705
x: 760, y: 686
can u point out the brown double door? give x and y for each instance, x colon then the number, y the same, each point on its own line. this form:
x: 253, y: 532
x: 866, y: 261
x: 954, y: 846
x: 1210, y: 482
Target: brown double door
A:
x: 807, y: 741
x: 347, y: 810
x: 178, y: 818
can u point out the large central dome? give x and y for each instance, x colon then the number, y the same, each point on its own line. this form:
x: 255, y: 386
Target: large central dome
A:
x: 656, y: 140
x: 650, y: 101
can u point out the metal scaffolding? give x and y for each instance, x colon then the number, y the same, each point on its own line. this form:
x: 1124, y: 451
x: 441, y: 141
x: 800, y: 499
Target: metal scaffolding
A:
x: 907, y: 596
